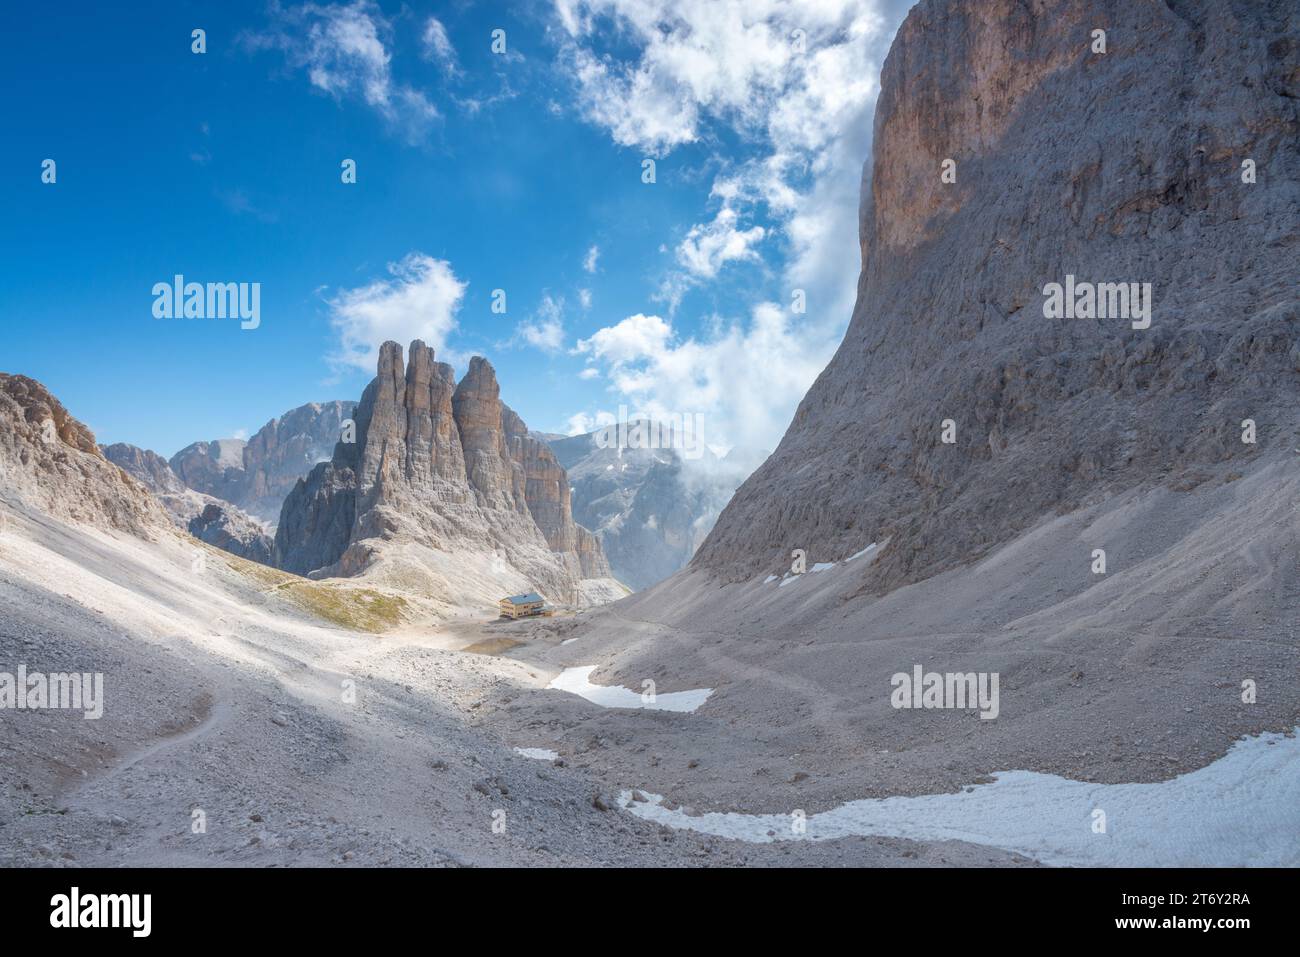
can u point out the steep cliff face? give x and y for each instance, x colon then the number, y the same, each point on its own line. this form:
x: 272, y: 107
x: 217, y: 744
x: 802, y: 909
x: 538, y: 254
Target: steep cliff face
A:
x: 548, y: 496
x: 214, y: 468
x: 1170, y: 159
x: 1096, y: 535
x: 145, y: 466
x: 257, y: 475
x: 447, y: 467
x: 49, y: 461
x: 205, y: 517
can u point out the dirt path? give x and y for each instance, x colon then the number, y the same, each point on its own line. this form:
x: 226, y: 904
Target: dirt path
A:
x: 218, y: 714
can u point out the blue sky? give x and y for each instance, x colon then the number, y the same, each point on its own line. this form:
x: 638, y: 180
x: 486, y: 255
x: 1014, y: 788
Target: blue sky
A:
x: 476, y: 170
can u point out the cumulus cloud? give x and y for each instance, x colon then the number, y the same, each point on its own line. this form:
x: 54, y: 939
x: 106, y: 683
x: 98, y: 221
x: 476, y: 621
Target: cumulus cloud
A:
x: 544, y: 329
x: 796, y: 78
x: 589, y: 261
x: 635, y: 338
x: 580, y: 422
x: 794, y: 82
x: 418, y: 300
x: 709, y: 246
x: 744, y: 379
x: 343, y: 50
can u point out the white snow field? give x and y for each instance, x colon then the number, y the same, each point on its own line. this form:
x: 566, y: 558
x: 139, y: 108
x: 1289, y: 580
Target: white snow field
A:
x: 1241, y: 811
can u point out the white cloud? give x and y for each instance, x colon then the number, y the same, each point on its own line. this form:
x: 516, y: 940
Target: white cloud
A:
x: 635, y: 109
x: 419, y: 301
x: 708, y: 70
x: 706, y: 66
x: 709, y: 246
x: 342, y: 49
x: 589, y: 261
x: 745, y: 378
x: 635, y: 338
x: 437, y: 46
x: 545, y: 329
x: 591, y: 372
x: 580, y: 423
x: 584, y: 297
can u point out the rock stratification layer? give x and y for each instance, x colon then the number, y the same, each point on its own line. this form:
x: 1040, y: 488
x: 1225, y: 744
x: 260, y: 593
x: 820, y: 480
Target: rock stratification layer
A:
x: 445, y: 466
x: 1169, y: 159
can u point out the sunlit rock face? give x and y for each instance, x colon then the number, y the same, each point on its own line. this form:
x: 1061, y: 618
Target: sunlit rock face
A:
x: 445, y: 465
x: 49, y: 461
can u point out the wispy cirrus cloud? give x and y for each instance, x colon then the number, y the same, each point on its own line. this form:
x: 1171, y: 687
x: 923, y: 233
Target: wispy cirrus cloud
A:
x: 344, y: 50
x: 438, y: 48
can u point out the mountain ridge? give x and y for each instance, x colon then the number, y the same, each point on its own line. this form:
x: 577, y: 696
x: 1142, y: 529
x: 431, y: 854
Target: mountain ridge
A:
x: 256, y: 474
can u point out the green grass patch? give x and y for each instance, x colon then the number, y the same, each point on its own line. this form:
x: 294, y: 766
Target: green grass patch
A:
x: 359, y: 609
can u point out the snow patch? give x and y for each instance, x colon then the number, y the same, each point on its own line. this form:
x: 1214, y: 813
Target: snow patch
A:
x: 1241, y: 811
x: 578, y: 681
x: 540, y: 754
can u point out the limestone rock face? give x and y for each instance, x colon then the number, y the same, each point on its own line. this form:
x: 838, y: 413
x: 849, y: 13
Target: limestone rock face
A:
x: 546, y: 492
x: 496, y: 476
x: 434, y: 453
x: 286, y: 449
x: 316, y: 519
x: 226, y: 527
x: 445, y: 467
x: 1116, y: 167
x: 205, y: 517
x: 49, y: 461
x: 214, y: 468
x: 257, y: 475
x: 147, y: 467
